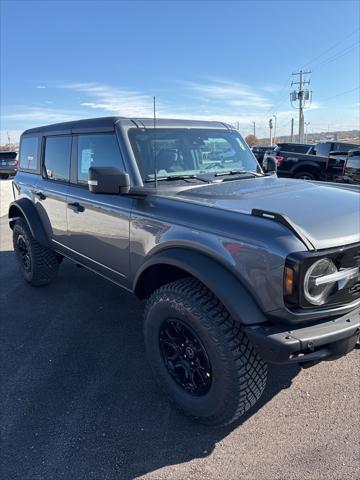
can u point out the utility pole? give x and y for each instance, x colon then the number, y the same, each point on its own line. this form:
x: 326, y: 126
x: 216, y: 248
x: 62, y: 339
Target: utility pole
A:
x: 292, y: 131
x: 274, y: 138
x: 302, y: 96
x: 306, y: 130
x: 254, y: 127
x: 270, y: 128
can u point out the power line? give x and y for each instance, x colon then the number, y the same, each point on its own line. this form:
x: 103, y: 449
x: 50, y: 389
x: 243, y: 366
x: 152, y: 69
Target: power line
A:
x: 331, y: 48
x: 339, y: 54
x: 339, y: 94
x: 286, y: 84
x: 327, y: 60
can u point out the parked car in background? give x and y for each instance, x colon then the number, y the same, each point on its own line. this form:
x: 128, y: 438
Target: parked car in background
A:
x: 260, y: 151
x: 323, y: 161
x: 8, y: 164
x: 351, y: 168
x: 239, y: 268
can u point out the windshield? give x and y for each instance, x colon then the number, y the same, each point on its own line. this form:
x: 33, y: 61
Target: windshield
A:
x: 190, y: 152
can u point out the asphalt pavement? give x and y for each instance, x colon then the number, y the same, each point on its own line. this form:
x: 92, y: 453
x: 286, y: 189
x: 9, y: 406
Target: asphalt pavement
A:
x: 78, y: 401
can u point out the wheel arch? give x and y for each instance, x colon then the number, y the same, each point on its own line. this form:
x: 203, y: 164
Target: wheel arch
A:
x: 310, y: 167
x: 24, y: 208
x: 175, y: 263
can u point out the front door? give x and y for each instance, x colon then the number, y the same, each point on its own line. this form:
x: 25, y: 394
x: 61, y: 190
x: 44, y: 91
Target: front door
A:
x: 98, y: 224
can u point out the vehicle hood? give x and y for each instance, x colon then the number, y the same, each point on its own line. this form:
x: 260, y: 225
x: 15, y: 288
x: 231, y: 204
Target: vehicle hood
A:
x: 328, y: 215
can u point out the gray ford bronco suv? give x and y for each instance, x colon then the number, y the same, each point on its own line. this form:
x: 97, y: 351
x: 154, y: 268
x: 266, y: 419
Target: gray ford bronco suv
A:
x: 239, y: 268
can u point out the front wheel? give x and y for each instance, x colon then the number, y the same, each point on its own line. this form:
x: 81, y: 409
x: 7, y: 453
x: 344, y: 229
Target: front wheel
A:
x: 200, y: 355
x: 305, y: 176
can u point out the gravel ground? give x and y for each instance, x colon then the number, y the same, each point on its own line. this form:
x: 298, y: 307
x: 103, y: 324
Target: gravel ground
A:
x: 78, y: 400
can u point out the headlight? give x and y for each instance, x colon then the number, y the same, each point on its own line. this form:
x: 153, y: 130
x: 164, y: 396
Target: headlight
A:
x: 317, y: 292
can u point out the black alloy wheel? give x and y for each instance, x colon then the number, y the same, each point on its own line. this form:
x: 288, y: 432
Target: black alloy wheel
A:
x: 185, y: 357
x: 24, y: 253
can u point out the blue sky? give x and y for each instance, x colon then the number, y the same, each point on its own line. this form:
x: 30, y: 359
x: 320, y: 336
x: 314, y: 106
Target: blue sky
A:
x: 230, y: 61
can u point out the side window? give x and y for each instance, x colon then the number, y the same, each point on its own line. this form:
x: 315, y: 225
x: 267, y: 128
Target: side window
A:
x: 322, y: 149
x: 97, y: 151
x: 57, y: 158
x: 29, y: 149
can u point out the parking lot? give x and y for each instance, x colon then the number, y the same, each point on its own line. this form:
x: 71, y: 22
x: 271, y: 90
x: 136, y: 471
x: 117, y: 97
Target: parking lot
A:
x: 78, y: 400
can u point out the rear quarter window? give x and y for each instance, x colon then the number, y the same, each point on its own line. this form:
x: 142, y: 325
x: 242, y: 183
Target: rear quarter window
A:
x: 29, y: 153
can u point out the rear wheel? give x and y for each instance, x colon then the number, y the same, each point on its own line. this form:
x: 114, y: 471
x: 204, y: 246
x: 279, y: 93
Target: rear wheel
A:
x: 4, y: 176
x: 38, y: 264
x: 200, y: 355
x: 305, y: 175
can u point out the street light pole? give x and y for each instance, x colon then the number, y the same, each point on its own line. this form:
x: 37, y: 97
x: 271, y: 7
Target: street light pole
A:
x: 274, y: 138
x: 270, y: 128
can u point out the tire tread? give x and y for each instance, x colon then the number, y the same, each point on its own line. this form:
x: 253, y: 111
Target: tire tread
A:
x: 251, y: 370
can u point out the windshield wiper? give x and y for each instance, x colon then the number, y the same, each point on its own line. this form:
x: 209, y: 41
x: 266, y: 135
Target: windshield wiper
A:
x: 238, y: 172
x: 176, y: 177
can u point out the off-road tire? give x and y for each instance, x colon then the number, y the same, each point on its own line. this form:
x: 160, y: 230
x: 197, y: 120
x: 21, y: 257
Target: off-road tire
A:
x: 44, y: 262
x: 308, y: 175
x: 238, y: 373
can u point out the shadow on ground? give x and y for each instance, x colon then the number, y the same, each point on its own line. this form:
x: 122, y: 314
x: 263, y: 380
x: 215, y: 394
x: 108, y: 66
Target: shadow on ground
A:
x: 78, y: 399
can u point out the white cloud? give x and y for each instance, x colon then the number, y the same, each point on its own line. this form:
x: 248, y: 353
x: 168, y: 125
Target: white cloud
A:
x: 40, y: 86
x: 118, y: 101
x: 272, y: 88
x: 232, y: 94
x: 39, y: 115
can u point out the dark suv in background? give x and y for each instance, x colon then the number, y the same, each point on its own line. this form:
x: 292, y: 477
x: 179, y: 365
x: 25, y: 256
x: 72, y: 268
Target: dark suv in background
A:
x: 260, y: 151
x: 8, y: 164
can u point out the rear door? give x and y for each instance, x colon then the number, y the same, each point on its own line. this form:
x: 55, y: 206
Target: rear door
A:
x: 53, y: 186
x: 98, y: 224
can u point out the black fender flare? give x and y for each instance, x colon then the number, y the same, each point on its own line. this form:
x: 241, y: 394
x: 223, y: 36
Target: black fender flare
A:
x: 26, y: 209
x: 216, y: 277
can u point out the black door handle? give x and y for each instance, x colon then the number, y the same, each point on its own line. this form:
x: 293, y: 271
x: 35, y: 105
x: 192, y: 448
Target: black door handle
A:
x: 40, y: 195
x: 76, y: 207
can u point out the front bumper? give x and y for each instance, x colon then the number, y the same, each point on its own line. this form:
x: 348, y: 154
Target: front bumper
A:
x: 322, y: 341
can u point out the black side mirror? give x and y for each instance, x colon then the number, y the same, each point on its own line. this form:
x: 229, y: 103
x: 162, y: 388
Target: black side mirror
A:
x: 269, y: 166
x: 108, y: 180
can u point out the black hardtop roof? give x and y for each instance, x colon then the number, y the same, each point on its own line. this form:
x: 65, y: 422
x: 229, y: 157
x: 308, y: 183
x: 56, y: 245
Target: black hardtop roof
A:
x: 107, y: 123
